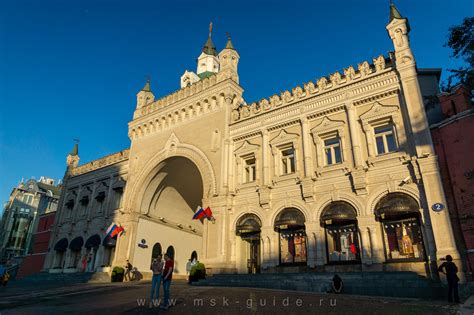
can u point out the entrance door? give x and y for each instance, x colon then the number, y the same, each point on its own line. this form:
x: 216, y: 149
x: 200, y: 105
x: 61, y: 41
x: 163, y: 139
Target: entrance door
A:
x: 253, y: 263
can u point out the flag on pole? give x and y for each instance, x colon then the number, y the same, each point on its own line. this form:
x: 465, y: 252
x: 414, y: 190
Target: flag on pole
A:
x: 209, y: 215
x: 200, y: 213
x: 113, y: 230
x: 203, y: 213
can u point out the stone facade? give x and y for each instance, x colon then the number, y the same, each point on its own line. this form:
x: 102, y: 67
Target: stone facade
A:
x: 337, y: 174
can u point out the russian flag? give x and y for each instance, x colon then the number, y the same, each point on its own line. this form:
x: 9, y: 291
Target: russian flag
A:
x: 200, y: 213
x: 113, y: 230
x: 208, y: 213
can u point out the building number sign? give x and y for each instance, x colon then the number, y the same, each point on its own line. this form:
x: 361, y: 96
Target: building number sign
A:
x: 438, y: 207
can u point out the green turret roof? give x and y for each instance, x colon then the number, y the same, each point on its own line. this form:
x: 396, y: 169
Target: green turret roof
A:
x: 205, y: 74
x: 209, y: 48
x: 75, y: 150
x: 394, y: 13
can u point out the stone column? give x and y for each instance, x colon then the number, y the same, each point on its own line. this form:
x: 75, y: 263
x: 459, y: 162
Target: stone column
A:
x: 354, y: 132
x: 266, y: 234
x: 378, y: 255
x: 265, y: 161
x: 312, y: 229
x: 99, y: 257
x: 308, y: 162
x: 321, y: 255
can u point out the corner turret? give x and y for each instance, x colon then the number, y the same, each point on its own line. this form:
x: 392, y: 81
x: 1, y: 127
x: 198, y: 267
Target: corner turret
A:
x: 229, y: 59
x: 145, y: 96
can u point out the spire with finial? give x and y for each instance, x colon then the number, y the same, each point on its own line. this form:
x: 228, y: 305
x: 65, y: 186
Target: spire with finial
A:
x: 75, y: 149
x: 394, y: 13
x: 147, y: 87
x: 72, y: 159
x: 229, y: 44
x: 209, y: 48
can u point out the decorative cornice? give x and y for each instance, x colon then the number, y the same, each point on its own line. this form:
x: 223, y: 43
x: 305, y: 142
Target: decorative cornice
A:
x: 101, y: 163
x: 181, y: 94
x: 166, y: 117
x: 322, y: 86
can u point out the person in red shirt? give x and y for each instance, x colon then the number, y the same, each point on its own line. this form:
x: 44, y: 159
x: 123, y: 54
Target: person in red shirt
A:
x: 167, y: 276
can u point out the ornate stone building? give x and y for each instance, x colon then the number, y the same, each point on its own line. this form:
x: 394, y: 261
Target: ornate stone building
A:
x: 337, y: 174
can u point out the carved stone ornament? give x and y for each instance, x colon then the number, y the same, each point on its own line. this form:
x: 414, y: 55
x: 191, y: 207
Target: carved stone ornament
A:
x: 379, y: 63
x: 286, y: 96
x: 349, y: 73
x: 322, y: 83
x: 298, y: 92
x: 364, y: 68
x: 335, y: 78
x: 235, y: 115
x: 309, y: 88
x: 265, y: 104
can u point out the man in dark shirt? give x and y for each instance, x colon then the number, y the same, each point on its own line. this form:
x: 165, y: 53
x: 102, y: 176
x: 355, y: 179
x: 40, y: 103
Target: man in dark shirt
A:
x: 450, y: 271
x: 167, y: 276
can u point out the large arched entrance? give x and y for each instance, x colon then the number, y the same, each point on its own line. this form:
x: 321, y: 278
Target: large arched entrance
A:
x: 248, y: 228
x: 168, y: 203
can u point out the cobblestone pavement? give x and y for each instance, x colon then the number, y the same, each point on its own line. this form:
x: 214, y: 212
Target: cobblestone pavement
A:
x: 133, y: 298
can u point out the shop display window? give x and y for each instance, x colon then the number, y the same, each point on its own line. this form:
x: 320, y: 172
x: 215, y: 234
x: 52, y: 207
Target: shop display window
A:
x: 403, y: 239
x: 342, y: 243
x: 292, y: 247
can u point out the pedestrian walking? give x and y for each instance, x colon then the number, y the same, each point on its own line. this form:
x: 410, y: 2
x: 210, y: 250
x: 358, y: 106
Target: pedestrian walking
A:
x: 167, y: 277
x: 128, y: 270
x: 451, y: 270
x: 156, y: 268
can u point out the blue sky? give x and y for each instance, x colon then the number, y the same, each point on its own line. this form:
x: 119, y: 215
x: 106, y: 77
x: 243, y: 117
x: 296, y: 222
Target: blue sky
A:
x: 71, y: 69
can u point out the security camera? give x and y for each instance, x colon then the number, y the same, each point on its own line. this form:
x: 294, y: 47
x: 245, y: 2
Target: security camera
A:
x: 406, y: 180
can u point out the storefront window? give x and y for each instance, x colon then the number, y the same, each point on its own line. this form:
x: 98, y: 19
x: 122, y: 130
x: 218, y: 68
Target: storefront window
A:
x: 292, y: 236
x: 342, y: 243
x: 293, y: 246
x: 399, y: 215
x: 403, y: 239
x: 339, y: 220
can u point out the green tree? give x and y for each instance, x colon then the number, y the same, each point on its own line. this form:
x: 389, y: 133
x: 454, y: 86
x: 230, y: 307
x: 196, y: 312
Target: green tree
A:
x: 461, y: 41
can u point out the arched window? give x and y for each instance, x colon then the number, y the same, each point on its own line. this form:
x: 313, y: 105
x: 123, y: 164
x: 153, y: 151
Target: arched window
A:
x: 399, y: 215
x: 170, y: 252
x: 339, y: 220
x: 248, y: 227
x: 290, y: 225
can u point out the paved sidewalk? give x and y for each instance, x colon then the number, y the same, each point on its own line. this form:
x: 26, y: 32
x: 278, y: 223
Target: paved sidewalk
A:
x: 132, y: 298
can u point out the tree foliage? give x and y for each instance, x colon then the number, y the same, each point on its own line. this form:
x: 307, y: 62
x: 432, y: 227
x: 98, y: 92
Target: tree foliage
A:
x: 461, y: 41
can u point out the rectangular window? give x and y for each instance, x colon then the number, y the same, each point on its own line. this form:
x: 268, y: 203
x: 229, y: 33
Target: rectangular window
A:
x: 250, y: 170
x: 118, y: 198
x: 332, y: 150
x: 287, y: 161
x: 385, y: 139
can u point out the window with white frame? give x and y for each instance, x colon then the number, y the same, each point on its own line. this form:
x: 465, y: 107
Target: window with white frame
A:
x: 250, y: 169
x: 385, y: 141
x: 332, y: 150
x: 287, y: 160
